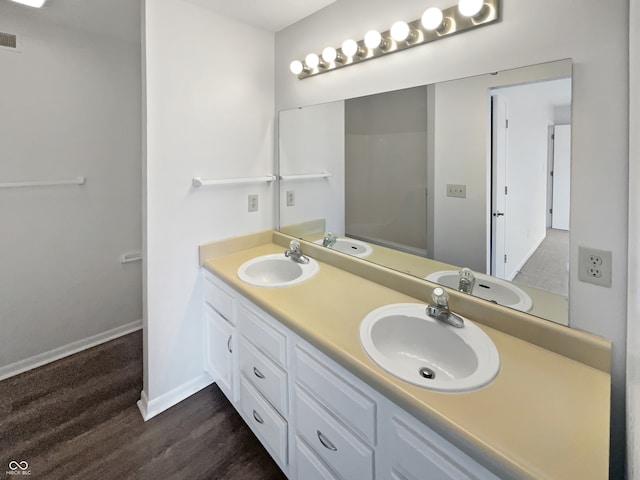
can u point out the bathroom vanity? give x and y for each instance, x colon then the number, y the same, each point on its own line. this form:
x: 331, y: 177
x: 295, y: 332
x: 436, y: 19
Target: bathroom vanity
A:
x: 290, y: 361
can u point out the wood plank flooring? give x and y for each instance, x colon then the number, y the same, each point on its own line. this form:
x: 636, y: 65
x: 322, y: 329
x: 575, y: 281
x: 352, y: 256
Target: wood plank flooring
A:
x: 77, y: 418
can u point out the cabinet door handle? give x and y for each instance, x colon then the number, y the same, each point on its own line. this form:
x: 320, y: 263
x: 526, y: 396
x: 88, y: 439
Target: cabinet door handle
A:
x: 326, y: 443
x: 229, y: 344
x: 257, y: 416
x: 258, y: 373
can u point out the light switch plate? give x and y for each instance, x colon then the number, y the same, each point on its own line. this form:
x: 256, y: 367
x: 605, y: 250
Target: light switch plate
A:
x: 454, y: 190
x: 253, y: 203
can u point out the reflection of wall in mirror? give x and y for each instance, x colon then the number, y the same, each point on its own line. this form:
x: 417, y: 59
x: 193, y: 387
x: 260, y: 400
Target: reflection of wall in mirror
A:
x: 386, y: 169
x: 312, y: 141
x: 531, y: 111
x: 462, y: 147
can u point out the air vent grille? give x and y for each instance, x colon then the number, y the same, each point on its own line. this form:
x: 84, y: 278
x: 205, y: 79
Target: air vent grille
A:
x: 8, y: 40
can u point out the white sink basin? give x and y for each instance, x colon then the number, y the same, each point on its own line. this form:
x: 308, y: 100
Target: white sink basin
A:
x: 276, y: 270
x: 403, y: 340
x: 350, y: 246
x: 486, y: 287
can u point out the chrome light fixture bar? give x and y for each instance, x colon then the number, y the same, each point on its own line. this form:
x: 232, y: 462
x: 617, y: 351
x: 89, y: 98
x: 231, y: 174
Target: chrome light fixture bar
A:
x: 433, y: 25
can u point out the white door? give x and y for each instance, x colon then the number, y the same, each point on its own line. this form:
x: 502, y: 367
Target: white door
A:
x: 498, y: 184
x: 561, y: 177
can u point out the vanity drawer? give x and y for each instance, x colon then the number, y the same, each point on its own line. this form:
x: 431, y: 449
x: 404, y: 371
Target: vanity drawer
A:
x: 264, y: 337
x: 219, y: 296
x: 308, y: 465
x: 265, y: 375
x: 264, y: 421
x: 332, y: 441
x: 343, y: 399
x: 417, y: 455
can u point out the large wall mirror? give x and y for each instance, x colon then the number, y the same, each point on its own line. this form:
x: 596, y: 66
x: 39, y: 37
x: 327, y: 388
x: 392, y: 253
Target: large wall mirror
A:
x: 471, y: 173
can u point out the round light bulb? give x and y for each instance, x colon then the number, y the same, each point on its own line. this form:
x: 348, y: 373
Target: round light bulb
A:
x: 372, y: 39
x: 469, y: 8
x: 296, y: 67
x: 400, y: 31
x: 432, y: 18
x: 329, y: 54
x: 349, y: 47
x: 312, y: 60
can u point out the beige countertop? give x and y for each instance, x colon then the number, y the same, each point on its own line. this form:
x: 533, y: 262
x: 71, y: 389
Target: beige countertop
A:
x: 545, y: 416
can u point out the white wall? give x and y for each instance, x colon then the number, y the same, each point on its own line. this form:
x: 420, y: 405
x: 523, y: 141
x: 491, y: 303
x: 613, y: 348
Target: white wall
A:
x: 633, y: 336
x: 312, y: 141
x: 70, y: 106
x: 209, y: 112
x: 529, y: 33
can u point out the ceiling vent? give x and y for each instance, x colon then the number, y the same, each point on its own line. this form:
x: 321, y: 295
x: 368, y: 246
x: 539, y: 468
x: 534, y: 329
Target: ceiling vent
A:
x: 8, y: 41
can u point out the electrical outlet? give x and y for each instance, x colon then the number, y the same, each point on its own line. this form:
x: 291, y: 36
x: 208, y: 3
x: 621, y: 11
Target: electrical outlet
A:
x: 291, y: 198
x: 594, y: 266
x: 459, y: 191
x: 253, y: 203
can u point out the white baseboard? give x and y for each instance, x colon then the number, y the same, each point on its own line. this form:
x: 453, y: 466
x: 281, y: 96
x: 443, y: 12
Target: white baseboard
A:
x: 66, y: 350
x: 151, y: 408
x: 516, y: 270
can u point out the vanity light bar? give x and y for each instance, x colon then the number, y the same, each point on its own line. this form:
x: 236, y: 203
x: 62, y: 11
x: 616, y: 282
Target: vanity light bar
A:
x: 434, y: 25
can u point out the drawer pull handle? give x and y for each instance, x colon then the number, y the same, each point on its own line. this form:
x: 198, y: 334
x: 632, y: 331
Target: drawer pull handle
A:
x: 257, y: 416
x: 229, y: 344
x: 258, y: 373
x: 325, y: 442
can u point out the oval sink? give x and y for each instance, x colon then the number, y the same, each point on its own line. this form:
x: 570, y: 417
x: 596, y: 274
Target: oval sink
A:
x: 489, y: 288
x: 276, y: 270
x: 403, y: 340
x: 350, y: 247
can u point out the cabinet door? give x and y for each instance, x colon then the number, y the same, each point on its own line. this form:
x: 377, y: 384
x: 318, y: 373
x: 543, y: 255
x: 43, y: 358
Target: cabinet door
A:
x: 219, y: 350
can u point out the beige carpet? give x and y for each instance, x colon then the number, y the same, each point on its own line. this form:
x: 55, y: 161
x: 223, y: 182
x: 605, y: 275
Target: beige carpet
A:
x: 547, y: 268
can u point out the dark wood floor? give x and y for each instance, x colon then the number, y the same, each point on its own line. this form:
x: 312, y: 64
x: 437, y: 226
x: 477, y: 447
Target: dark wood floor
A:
x: 77, y: 418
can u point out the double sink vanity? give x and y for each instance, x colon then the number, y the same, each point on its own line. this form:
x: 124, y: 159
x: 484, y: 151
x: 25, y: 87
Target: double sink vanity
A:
x: 340, y: 371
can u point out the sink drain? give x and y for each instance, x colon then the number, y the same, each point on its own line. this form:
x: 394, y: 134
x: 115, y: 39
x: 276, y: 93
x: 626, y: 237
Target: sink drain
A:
x: 427, y: 373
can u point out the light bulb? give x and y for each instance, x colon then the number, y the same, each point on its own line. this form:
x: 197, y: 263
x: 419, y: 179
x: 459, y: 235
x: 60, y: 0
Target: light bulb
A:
x: 469, y: 8
x: 312, y: 60
x: 349, y: 47
x: 296, y: 67
x: 400, y: 31
x: 31, y: 3
x: 372, y: 39
x: 432, y: 18
x: 329, y: 54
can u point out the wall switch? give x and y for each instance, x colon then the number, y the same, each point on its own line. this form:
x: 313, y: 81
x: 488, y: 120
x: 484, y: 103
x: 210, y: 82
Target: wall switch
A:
x: 594, y: 266
x: 291, y: 198
x: 459, y: 191
x: 253, y: 203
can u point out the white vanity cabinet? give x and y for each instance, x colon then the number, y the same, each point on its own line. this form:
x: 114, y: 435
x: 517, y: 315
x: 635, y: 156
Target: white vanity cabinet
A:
x: 316, y: 419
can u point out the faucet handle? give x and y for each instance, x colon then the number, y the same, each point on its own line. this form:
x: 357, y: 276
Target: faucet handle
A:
x: 294, y: 246
x: 466, y: 280
x: 440, y: 297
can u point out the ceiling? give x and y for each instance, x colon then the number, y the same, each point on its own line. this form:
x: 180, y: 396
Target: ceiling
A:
x: 273, y: 15
x: 121, y: 18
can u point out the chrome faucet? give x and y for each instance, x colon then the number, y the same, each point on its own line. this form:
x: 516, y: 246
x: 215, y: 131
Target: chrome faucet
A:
x: 294, y: 252
x: 440, y: 310
x: 329, y: 240
x: 466, y: 280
